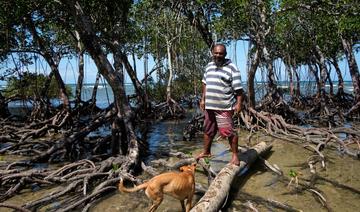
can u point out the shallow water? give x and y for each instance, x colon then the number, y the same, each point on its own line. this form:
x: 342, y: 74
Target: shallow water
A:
x: 258, y: 183
x: 288, y: 156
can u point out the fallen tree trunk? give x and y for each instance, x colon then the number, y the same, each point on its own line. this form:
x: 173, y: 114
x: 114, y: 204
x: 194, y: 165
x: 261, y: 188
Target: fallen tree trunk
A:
x: 220, y: 187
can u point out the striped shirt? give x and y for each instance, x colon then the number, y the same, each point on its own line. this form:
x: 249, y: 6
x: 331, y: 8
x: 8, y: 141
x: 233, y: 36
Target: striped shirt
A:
x: 221, y: 84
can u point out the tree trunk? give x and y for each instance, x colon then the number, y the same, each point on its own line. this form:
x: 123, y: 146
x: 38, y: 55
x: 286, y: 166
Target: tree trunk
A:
x: 251, y: 77
x: 134, y: 61
x: 317, y: 80
x: 41, y: 108
x: 118, y: 137
x: 270, y: 70
x: 198, y: 21
x: 323, y: 72
x: 262, y: 33
x: 63, y: 94
x: 328, y: 78
x: 135, y: 81
x: 168, y: 87
x: 297, y: 91
x: 340, y: 90
x: 80, y: 79
x: 92, y: 44
x: 146, y: 71
x: 52, y: 59
x: 219, y: 188
x: 4, y: 111
x: 353, y: 67
x: 118, y: 130
x: 291, y: 83
x: 94, y: 91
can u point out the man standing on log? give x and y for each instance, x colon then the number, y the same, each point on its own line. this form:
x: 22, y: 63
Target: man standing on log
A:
x: 221, y: 97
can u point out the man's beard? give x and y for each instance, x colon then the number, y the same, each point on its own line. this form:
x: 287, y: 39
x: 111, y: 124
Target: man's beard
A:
x: 219, y: 62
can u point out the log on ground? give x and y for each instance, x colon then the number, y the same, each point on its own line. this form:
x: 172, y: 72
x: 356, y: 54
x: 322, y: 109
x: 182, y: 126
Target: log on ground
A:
x: 216, y: 194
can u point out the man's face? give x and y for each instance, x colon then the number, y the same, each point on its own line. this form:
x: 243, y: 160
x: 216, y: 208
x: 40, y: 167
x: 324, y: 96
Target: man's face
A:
x: 219, y: 54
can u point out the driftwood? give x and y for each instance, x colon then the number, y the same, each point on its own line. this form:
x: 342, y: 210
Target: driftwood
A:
x: 220, y: 186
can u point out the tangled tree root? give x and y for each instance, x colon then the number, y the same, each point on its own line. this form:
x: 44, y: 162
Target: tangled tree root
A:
x: 82, y: 179
x: 168, y: 110
x: 193, y: 126
x: 273, y: 102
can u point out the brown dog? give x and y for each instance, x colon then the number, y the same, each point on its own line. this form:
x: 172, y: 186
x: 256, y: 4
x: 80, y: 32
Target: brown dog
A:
x: 180, y: 185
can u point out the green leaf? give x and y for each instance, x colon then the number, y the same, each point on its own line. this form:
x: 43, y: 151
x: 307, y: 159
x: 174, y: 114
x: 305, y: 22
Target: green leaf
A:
x: 115, y: 167
x: 292, y: 173
x: 207, y: 161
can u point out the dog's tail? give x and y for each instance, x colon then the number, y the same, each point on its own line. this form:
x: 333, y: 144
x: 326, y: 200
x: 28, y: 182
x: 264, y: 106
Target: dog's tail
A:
x: 128, y: 190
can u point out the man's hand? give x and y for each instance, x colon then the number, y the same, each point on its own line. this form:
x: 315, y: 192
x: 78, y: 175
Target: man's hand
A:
x: 202, y: 104
x: 237, y: 108
x: 239, y: 100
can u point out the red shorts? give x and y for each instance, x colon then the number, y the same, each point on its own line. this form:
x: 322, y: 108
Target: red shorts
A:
x: 219, y: 120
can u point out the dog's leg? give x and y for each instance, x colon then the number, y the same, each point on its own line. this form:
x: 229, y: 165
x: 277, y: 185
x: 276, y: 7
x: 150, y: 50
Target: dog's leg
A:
x: 188, y: 203
x: 156, y: 197
x: 156, y: 203
x: 182, y: 205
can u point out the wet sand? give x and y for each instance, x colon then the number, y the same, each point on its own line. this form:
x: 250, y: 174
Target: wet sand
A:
x: 258, y: 183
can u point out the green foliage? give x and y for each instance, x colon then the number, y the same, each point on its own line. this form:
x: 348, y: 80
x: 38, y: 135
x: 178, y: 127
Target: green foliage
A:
x: 207, y: 160
x: 235, y: 20
x: 184, y: 86
x: 181, y: 87
x: 293, y: 173
x: 305, y: 24
x: 157, y: 91
x: 115, y: 167
x: 29, y: 85
x: 292, y: 27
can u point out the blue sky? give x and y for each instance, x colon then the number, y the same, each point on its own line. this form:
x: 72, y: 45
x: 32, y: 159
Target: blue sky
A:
x: 237, y: 53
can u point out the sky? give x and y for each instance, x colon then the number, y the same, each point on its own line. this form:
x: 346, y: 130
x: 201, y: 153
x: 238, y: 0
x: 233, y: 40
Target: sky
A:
x: 236, y: 51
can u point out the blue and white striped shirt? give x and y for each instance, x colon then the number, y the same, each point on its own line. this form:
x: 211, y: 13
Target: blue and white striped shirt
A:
x: 221, y: 84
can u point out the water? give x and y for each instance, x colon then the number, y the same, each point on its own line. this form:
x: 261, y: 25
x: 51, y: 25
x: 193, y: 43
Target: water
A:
x: 167, y: 137
x: 104, y: 97
x: 258, y: 182
x: 306, y: 87
x: 290, y: 156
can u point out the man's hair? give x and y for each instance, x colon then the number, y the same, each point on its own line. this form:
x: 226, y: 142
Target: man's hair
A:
x: 218, y: 44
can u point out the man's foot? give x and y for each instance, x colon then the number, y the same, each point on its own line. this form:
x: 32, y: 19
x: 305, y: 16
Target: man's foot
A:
x: 203, y: 155
x: 235, y: 160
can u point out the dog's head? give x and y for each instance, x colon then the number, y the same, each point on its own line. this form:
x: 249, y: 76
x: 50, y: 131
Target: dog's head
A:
x: 188, y: 168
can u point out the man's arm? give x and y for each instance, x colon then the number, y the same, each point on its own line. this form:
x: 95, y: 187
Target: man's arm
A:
x: 239, y: 100
x: 202, y: 101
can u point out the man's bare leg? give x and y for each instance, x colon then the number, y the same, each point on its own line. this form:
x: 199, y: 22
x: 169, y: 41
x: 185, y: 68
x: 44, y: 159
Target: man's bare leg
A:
x: 207, y: 147
x: 233, y: 141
